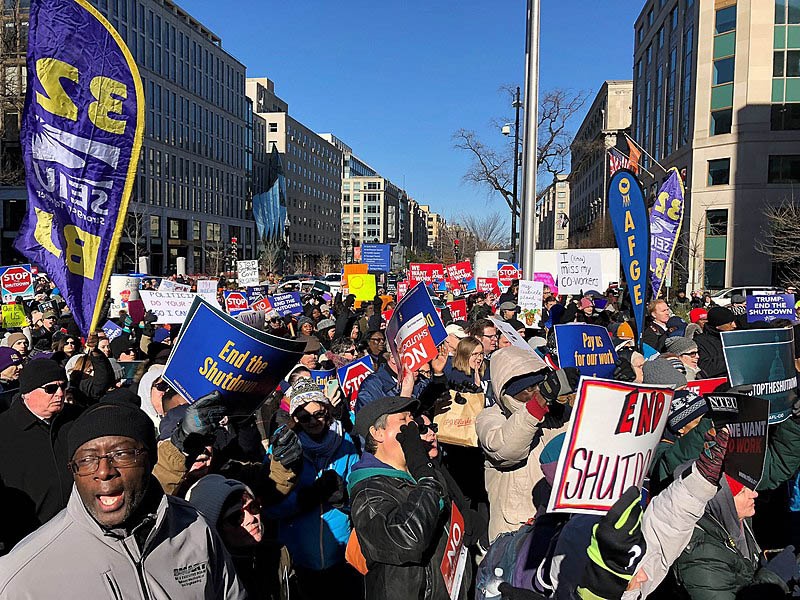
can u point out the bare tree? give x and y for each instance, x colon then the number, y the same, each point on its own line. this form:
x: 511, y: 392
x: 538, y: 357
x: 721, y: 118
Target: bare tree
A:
x: 474, y: 232
x: 13, y: 44
x: 326, y: 263
x: 135, y: 231
x: 781, y: 238
x: 493, y: 167
x: 214, y: 251
x: 271, y: 256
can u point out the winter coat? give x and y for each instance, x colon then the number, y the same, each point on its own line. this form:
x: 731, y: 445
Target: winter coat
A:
x: 33, y: 468
x: 383, y: 382
x: 722, y: 558
x: 73, y: 557
x: 654, y: 336
x: 402, y: 527
x: 512, y: 439
x: 316, y: 538
x: 712, y: 359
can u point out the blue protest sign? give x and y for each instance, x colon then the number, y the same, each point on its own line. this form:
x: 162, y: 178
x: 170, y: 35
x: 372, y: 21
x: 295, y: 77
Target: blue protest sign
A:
x: 628, y: 213
x: 377, y: 256
x: 256, y: 293
x: 112, y: 330
x: 770, y: 307
x: 321, y: 377
x: 217, y: 352
x: 415, y: 329
x: 586, y: 347
x: 763, y: 358
x: 288, y: 303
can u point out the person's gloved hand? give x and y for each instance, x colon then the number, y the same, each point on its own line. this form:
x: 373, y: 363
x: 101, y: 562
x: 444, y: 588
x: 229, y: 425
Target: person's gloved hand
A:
x: 559, y: 383
x: 328, y: 488
x: 417, y: 460
x: 150, y: 317
x: 784, y: 564
x: 286, y: 447
x: 624, y: 370
x: 201, y: 418
x: 715, y: 445
x: 509, y: 592
x: 617, y: 547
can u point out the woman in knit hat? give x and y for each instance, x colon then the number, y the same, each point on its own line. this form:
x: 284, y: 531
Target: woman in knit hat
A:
x: 686, y: 350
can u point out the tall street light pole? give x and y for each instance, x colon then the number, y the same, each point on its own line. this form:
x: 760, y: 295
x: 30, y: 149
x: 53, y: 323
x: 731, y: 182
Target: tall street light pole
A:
x: 515, y: 200
x: 530, y: 137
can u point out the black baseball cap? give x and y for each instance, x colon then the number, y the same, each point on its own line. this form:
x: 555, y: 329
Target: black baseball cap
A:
x: 388, y: 405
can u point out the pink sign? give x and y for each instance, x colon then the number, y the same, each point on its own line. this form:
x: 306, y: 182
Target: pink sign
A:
x: 548, y: 280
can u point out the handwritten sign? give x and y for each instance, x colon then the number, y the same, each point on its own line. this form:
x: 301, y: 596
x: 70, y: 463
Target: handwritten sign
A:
x: 14, y: 316
x: 579, y: 272
x: 530, y: 300
x: 609, y: 445
x: 169, y: 307
x: 247, y: 272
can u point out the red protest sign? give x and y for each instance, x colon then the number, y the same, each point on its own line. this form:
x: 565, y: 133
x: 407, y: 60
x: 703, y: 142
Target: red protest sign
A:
x: 16, y: 281
x: 703, y: 387
x: 427, y: 272
x: 402, y: 289
x: 351, y: 376
x: 235, y: 302
x: 488, y: 285
x: 262, y: 304
x: 458, y: 310
x: 460, y: 270
x: 454, y: 559
x: 415, y: 346
x: 507, y: 273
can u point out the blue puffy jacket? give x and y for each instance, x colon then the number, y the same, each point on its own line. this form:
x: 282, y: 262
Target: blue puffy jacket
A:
x: 383, y: 382
x: 316, y: 539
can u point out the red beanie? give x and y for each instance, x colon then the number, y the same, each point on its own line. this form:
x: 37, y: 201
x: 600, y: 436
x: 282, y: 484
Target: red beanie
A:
x: 697, y: 313
x: 735, y: 486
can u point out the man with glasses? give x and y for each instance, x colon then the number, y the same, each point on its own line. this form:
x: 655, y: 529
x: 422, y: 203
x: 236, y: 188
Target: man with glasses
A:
x: 486, y: 332
x: 47, y: 329
x: 120, y: 535
x: 33, y: 451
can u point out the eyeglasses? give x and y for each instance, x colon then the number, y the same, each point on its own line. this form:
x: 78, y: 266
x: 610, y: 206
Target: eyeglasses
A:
x: 477, y: 354
x: 161, y: 386
x: 52, y: 388
x: 693, y: 353
x: 88, y: 465
x: 235, y: 516
x: 69, y: 343
x: 379, y: 341
x: 494, y: 335
x: 423, y: 428
x: 308, y: 417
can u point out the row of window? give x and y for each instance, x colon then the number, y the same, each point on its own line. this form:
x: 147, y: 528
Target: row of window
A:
x: 782, y: 169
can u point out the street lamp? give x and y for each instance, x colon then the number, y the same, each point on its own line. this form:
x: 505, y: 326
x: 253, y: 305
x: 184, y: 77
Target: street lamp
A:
x: 506, y: 130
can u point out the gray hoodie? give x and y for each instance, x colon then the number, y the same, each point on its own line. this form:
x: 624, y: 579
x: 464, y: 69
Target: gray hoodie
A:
x: 71, y: 556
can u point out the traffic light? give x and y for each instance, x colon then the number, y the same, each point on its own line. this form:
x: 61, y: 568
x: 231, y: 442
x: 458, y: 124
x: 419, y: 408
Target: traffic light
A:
x: 234, y: 251
x: 457, y: 249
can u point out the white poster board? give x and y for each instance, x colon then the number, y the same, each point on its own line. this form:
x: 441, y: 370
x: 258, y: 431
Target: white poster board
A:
x: 579, y: 271
x: 169, y: 307
x: 123, y: 289
x: 207, y: 290
x: 247, y: 273
x: 512, y: 335
x: 530, y: 299
x: 609, y: 445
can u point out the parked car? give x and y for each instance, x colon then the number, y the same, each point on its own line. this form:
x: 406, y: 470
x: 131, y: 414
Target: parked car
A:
x: 723, y: 297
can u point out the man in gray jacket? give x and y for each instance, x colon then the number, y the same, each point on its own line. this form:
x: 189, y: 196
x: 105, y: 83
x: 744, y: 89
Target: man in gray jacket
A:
x: 119, y: 537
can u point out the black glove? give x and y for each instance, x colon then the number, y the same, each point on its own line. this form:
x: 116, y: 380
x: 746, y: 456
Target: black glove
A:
x: 329, y: 488
x: 201, y: 419
x: 559, y: 383
x: 417, y: 460
x: 509, y: 592
x: 150, y: 317
x: 783, y: 564
x: 624, y: 371
x: 286, y: 447
x: 616, y: 549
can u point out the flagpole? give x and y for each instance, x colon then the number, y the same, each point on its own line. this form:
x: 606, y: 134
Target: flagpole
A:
x: 647, y: 154
x: 530, y: 137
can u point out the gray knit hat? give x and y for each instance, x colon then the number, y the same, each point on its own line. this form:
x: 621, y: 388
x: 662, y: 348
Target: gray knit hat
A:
x: 661, y: 372
x: 210, y: 493
x: 303, y: 392
x: 680, y: 345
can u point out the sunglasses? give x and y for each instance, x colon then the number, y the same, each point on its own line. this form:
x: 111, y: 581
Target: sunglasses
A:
x: 423, y: 428
x: 377, y: 340
x: 694, y: 353
x: 69, y: 343
x: 308, y: 417
x: 52, y: 388
x: 235, y: 516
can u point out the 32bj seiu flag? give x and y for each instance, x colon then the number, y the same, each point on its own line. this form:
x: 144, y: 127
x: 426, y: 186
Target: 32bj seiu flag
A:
x: 628, y: 214
x: 665, y: 226
x: 82, y: 132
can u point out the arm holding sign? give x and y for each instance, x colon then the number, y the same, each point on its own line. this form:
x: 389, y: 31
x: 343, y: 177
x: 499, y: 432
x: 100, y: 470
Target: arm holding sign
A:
x: 506, y: 441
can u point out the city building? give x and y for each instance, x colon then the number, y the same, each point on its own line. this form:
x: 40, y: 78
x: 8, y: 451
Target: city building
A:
x: 313, y: 168
x: 552, y: 215
x: 418, y: 228
x: 604, y: 126
x: 191, y: 194
x: 435, y: 223
x: 717, y: 95
x: 370, y: 210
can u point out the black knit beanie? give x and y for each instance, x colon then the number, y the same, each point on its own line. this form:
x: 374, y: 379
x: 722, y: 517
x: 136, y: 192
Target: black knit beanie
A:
x: 39, y: 372
x: 113, y: 418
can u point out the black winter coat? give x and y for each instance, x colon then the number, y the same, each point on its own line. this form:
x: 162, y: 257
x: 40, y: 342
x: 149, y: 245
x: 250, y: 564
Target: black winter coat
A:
x: 36, y: 482
x: 712, y: 359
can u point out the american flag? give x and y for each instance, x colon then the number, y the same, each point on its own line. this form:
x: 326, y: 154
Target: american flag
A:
x: 616, y: 161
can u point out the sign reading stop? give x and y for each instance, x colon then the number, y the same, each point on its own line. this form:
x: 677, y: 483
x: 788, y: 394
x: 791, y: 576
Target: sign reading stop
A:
x: 16, y: 280
x: 352, y: 375
x: 507, y: 273
x: 235, y: 302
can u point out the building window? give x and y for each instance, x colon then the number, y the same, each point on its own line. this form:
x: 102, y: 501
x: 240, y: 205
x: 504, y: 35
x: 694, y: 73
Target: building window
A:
x: 717, y: 222
x: 674, y: 19
x: 719, y: 171
x: 714, y: 274
x: 781, y: 10
x: 721, y: 121
x: 785, y: 117
x: 784, y: 169
x: 155, y: 226
x: 723, y: 70
x: 726, y: 20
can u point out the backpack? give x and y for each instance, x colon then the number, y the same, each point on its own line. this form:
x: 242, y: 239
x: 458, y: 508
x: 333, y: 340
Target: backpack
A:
x: 500, y: 562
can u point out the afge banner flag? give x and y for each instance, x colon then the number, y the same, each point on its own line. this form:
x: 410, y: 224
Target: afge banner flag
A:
x: 81, y: 136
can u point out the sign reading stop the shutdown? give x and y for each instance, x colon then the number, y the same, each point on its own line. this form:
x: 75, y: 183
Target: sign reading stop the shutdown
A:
x: 352, y: 375
x: 235, y: 302
x: 506, y: 273
x: 16, y: 280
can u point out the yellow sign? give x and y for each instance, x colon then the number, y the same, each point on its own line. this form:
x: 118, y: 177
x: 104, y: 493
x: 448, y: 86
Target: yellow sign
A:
x: 362, y: 286
x: 14, y: 316
x: 354, y: 269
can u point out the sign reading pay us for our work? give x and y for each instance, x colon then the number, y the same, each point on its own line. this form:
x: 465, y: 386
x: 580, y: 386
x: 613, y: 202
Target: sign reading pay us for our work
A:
x: 609, y: 445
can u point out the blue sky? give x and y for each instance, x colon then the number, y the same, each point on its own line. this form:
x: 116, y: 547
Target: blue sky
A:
x: 394, y: 79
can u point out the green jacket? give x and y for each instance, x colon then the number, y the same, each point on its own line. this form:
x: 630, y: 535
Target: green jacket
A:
x: 712, y: 568
x: 780, y: 463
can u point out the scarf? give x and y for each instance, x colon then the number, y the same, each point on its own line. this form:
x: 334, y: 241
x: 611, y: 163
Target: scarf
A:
x: 320, y: 452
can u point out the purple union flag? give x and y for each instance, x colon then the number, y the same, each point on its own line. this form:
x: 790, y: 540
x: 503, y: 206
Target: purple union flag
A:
x: 82, y: 132
x: 666, y: 217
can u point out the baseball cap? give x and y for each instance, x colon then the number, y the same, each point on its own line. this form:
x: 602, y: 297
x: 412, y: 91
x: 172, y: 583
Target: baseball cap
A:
x: 456, y: 330
x: 388, y: 405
